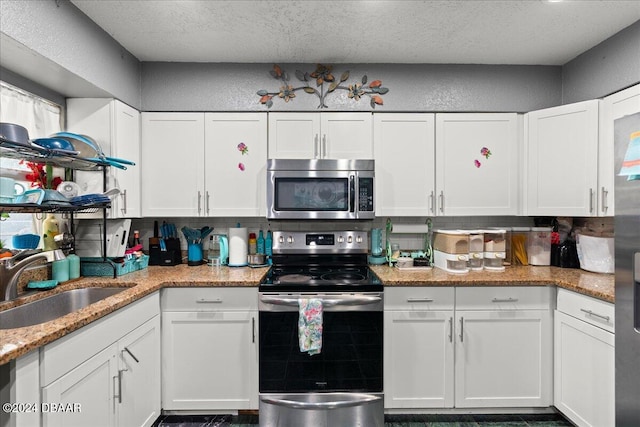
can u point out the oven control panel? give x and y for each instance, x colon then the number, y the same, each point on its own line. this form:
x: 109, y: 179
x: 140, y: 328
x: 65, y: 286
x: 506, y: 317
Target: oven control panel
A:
x: 320, y: 242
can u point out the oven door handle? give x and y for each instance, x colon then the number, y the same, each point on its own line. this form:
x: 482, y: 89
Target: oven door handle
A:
x: 359, y: 300
x: 357, y: 399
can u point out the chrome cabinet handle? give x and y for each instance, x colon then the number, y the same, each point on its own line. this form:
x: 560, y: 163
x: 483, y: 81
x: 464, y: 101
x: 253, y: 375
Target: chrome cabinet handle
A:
x: 605, y: 195
x: 441, y: 201
x: 124, y: 201
x: 209, y: 301
x: 591, y: 193
x: 207, y: 201
x: 450, y: 329
x: 599, y: 316
x: 323, y: 154
x: 504, y: 299
x: 315, y: 147
x: 131, y: 354
x: 432, y: 202
x: 461, y: 329
x: 116, y: 396
x: 120, y: 385
x: 199, y: 198
x: 119, y: 378
x: 419, y: 299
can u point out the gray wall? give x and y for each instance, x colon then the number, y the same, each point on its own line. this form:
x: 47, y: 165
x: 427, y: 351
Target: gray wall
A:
x: 608, y: 67
x: 55, y: 46
x: 45, y: 37
x: 232, y: 87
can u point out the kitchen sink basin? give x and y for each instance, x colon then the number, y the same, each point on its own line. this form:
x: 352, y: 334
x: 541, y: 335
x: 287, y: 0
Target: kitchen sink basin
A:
x: 50, y: 308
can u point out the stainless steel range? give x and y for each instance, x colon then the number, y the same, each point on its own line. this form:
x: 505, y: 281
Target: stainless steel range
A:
x: 339, y: 381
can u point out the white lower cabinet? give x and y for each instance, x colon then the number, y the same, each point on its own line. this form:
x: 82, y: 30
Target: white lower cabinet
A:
x: 92, y: 386
x: 503, y: 359
x: 492, y: 348
x: 209, y: 349
x: 119, y: 385
x: 584, y: 384
x: 418, y: 347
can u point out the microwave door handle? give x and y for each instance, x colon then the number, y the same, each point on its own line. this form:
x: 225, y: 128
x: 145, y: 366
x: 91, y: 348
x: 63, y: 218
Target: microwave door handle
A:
x: 352, y: 194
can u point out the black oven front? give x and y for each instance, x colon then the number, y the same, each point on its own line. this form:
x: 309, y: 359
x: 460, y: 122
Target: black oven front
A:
x: 351, y: 356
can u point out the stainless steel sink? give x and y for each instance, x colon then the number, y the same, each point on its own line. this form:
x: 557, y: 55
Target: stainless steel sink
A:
x: 50, y: 308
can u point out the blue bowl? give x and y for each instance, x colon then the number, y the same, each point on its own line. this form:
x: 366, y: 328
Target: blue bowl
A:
x: 25, y: 241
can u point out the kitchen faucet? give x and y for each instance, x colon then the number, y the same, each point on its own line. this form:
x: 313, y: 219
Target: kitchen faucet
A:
x: 11, y: 268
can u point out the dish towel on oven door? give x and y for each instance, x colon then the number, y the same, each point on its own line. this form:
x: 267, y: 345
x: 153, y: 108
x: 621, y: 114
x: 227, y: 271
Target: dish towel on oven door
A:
x: 310, y: 325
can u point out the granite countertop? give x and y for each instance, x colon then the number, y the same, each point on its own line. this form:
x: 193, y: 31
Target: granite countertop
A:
x: 17, y: 342
x: 597, y: 285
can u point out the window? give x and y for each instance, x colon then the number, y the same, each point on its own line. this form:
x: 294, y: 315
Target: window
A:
x: 41, y: 118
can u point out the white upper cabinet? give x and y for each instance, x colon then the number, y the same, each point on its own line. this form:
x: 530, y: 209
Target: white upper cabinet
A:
x: 116, y: 127
x: 404, y: 151
x: 613, y: 107
x: 561, y: 154
x: 320, y: 136
x: 204, y: 164
x: 447, y: 164
x: 235, y: 154
x: 477, y: 163
x: 172, y: 164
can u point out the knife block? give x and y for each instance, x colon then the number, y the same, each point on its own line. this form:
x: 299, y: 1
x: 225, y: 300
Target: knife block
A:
x: 172, y: 256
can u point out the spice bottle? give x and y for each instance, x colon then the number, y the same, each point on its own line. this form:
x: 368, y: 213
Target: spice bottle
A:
x: 253, y: 245
x: 136, y: 239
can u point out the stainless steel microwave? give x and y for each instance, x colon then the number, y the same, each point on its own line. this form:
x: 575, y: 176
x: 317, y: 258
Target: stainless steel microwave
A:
x: 320, y: 189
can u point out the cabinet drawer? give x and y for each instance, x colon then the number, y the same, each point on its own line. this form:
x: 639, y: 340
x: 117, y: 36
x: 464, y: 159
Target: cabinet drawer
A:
x: 209, y: 299
x: 591, y: 310
x: 419, y: 298
x: 505, y: 298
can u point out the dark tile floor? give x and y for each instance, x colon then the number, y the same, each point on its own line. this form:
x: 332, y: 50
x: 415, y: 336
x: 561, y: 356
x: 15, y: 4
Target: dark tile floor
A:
x: 539, y: 420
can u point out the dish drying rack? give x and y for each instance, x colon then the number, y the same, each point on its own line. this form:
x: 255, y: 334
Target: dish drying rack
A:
x: 66, y: 160
x: 426, y: 229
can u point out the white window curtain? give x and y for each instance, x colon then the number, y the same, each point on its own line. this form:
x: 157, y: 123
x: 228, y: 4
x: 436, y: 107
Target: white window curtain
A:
x: 41, y: 118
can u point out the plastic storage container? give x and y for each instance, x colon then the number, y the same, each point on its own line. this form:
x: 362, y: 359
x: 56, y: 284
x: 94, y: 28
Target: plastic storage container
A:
x: 476, y: 249
x: 519, y: 242
x: 539, y: 246
x: 451, y: 241
x: 495, y: 247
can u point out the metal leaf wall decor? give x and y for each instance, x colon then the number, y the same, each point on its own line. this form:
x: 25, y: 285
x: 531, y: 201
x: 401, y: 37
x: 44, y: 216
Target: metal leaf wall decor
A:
x: 323, y: 74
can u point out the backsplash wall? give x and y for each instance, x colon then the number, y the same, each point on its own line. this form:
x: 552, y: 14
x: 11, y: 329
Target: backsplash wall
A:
x: 406, y: 241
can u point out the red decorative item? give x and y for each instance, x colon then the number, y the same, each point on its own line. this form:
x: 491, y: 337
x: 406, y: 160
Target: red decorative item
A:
x: 41, y: 176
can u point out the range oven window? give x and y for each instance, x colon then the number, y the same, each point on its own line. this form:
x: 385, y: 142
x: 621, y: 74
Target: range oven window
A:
x: 318, y: 194
x: 350, y: 360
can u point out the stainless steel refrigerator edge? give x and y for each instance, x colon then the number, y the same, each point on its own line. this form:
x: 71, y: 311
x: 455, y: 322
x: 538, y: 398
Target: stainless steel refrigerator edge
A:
x: 627, y: 277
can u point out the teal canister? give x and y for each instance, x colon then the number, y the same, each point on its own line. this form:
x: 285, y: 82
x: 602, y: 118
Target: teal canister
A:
x: 74, y: 266
x: 60, y: 270
x: 376, y: 241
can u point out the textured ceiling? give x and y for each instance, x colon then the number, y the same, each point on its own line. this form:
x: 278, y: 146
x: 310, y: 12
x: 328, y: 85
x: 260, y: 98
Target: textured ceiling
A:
x: 472, y: 32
